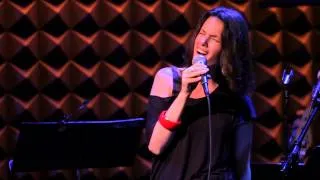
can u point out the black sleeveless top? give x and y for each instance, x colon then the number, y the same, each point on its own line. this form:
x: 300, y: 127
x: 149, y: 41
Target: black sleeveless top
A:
x: 186, y: 156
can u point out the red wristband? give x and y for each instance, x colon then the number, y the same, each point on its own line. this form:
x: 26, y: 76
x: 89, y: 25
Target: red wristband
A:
x: 170, y: 125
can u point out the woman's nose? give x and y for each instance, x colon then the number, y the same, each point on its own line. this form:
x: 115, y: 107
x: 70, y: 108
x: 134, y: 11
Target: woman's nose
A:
x: 204, y: 40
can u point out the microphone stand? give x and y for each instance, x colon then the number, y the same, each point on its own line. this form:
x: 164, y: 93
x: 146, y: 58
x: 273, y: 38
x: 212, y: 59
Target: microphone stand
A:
x: 286, y: 78
x: 292, y: 159
x: 63, y: 125
x: 68, y: 116
x: 285, y: 119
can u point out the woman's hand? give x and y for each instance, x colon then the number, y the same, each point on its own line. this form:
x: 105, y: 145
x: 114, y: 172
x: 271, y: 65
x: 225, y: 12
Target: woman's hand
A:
x: 191, y: 76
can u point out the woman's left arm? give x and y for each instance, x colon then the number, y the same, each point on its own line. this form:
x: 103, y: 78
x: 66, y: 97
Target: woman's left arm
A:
x: 243, y: 143
x: 243, y: 138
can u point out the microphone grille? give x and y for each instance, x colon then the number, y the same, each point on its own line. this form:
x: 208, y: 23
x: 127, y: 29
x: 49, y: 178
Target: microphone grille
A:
x: 199, y: 59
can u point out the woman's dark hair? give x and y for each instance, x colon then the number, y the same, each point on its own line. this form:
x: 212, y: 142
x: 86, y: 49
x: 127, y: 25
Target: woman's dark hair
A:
x: 235, y: 60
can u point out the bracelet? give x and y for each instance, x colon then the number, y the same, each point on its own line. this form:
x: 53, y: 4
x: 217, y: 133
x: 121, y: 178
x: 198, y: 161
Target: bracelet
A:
x: 169, y: 125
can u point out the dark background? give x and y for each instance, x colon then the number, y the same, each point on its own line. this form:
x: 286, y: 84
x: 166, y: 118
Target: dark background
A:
x: 56, y: 54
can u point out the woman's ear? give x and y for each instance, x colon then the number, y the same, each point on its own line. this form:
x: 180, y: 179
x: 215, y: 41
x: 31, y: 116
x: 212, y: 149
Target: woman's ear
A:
x: 222, y: 67
x: 222, y: 71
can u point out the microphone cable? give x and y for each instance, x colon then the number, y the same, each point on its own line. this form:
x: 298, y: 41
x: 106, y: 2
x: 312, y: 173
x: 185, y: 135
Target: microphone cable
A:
x: 210, y: 136
x: 204, y: 81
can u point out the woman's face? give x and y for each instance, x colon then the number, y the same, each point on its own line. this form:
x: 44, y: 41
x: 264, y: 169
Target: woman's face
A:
x: 208, y: 40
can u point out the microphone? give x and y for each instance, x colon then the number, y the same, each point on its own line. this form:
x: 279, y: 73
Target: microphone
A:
x: 83, y: 105
x: 68, y: 116
x: 204, y: 77
x: 287, y: 76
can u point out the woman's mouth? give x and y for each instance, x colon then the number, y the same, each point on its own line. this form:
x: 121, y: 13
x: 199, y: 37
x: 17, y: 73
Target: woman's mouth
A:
x: 201, y: 52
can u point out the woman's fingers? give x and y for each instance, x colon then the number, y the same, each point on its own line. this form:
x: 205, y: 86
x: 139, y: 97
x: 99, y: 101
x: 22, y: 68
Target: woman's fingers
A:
x: 193, y: 80
x: 195, y: 70
x: 195, y: 73
x: 192, y: 75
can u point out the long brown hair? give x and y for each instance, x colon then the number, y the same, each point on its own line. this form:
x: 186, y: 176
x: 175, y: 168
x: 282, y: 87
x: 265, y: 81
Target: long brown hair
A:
x: 235, y: 61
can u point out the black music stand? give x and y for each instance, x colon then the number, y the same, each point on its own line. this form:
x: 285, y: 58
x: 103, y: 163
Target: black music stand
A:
x: 76, y: 144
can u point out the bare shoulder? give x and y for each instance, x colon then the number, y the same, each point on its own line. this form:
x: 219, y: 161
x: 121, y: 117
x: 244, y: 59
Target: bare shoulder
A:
x: 163, y: 83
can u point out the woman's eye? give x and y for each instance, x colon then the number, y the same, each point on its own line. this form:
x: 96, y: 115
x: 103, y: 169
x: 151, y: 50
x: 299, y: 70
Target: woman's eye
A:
x: 215, y: 39
x: 212, y: 39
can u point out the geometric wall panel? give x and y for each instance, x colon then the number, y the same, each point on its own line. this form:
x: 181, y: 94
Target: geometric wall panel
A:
x: 54, y: 55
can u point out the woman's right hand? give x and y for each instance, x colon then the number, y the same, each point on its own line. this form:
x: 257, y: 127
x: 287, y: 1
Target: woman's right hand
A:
x: 191, y: 76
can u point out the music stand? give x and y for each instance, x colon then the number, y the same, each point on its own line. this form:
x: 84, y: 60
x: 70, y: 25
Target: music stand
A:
x: 76, y: 144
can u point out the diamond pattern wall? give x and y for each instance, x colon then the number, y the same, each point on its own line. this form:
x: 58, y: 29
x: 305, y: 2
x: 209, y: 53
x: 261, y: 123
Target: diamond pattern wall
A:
x: 56, y: 54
